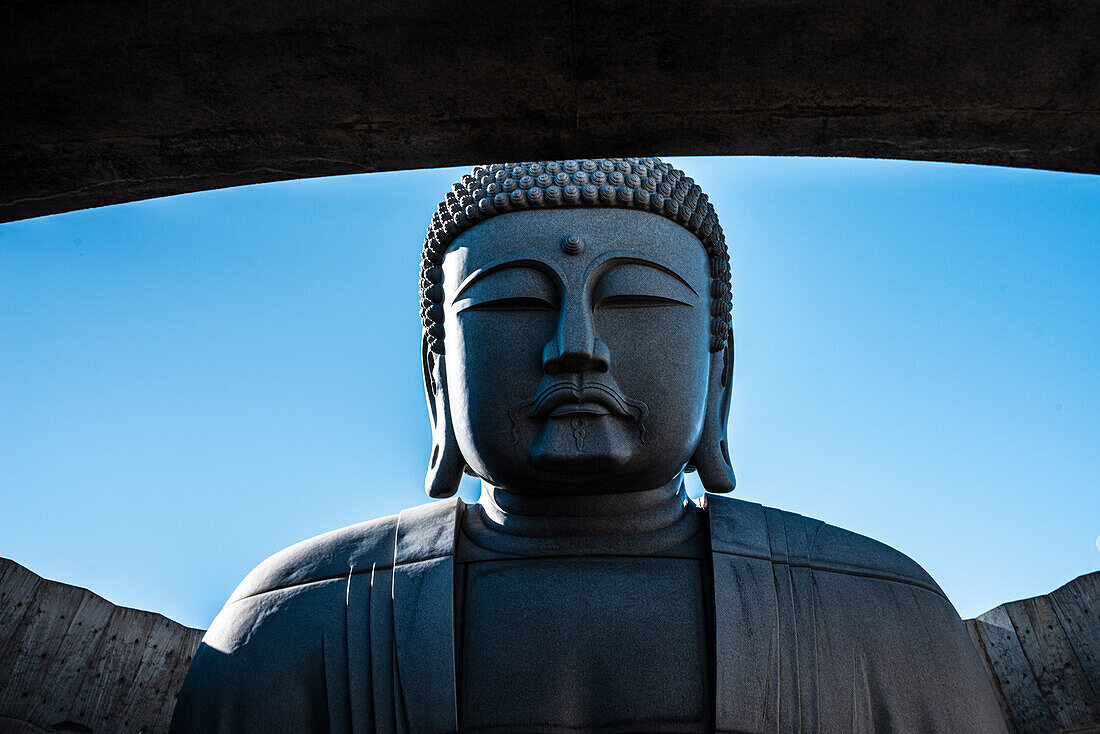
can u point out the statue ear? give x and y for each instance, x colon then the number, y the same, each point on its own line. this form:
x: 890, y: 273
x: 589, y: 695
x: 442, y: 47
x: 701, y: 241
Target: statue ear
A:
x: 446, y: 464
x: 712, y: 455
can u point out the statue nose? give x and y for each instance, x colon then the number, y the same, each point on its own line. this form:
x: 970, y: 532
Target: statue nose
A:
x: 575, y: 348
x: 575, y: 361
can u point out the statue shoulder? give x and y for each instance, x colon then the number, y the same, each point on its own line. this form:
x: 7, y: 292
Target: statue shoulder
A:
x: 276, y: 658
x: 273, y: 652
x: 886, y: 643
x: 331, y: 555
x: 748, y: 528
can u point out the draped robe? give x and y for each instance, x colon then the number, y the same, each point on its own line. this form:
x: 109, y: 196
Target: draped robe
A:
x: 816, y: 629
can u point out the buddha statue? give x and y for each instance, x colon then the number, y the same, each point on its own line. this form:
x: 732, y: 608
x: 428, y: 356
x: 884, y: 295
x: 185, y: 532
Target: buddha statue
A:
x: 578, y: 359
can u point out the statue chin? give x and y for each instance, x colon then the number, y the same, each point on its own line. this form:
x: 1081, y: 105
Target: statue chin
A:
x: 583, y: 445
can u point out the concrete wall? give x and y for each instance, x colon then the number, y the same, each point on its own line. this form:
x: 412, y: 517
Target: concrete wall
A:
x: 105, y: 102
x: 1044, y: 655
x: 71, y: 661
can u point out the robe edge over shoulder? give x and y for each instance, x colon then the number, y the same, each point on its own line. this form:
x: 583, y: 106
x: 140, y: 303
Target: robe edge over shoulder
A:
x: 354, y: 549
x: 756, y: 531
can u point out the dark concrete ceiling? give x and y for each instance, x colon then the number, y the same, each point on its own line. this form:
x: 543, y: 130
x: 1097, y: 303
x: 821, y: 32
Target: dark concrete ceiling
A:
x: 104, y: 102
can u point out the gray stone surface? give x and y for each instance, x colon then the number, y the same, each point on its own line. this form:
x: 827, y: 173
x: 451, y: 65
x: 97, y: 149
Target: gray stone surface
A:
x: 109, y: 102
x: 336, y: 645
x: 578, y: 358
x: 1044, y: 655
x: 70, y: 661
x: 1025, y: 709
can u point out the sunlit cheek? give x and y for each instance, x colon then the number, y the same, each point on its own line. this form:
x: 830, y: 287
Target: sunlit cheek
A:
x: 658, y: 355
x: 501, y: 357
x: 510, y: 342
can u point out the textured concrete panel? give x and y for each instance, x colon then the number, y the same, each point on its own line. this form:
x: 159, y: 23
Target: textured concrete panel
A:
x: 71, y: 661
x: 1043, y: 655
x: 111, y: 102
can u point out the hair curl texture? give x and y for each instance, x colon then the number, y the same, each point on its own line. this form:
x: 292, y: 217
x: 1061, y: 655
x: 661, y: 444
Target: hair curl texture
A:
x: 646, y: 184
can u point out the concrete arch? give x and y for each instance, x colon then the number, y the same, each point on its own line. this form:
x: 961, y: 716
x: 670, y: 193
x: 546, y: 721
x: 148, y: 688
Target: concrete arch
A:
x: 111, y: 102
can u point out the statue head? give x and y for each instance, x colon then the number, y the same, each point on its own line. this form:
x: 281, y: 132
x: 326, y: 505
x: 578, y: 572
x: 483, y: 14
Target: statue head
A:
x: 577, y: 329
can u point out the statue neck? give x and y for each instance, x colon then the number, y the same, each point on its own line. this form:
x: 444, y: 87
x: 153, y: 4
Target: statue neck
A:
x: 641, y: 522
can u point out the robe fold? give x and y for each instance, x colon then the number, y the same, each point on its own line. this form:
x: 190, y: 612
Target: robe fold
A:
x: 817, y: 629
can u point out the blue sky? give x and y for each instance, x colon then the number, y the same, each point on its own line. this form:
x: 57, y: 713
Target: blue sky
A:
x: 190, y: 384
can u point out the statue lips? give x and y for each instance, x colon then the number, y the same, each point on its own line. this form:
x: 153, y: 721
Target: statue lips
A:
x: 583, y: 398
x: 586, y: 398
x: 572, y: 409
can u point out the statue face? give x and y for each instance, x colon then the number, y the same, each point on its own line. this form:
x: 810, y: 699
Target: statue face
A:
x: 577, y: 349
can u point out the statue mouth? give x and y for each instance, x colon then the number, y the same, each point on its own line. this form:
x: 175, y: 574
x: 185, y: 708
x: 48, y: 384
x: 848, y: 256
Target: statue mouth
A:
x: 561, y: 398
x: 579, y: 398
x: 567, y: 409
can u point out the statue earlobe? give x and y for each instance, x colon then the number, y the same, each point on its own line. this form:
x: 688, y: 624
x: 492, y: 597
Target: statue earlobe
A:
x: 712, y: 456
x: 446, y: 464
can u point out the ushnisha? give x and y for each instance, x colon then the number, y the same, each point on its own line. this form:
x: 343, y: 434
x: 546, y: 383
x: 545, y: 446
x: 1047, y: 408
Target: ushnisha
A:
x: 645, y: 184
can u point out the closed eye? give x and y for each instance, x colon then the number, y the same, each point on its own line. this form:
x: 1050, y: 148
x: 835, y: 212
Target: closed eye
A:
x: 510, y: 304
x: 638, y: 301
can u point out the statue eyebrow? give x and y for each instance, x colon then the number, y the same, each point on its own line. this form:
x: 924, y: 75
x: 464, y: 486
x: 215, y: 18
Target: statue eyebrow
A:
x: 619, y: 257
x: 505, y: 264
